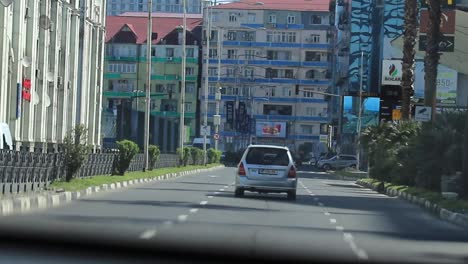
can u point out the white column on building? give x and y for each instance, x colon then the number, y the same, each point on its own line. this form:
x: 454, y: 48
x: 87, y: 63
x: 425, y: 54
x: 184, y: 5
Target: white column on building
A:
x: 5, y: 41
x: 74, y: 32
x: 18, y: 41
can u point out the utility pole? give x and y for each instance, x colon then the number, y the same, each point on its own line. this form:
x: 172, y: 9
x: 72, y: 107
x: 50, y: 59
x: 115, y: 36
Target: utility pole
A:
x: 207, y: 61
x: 217, y: 117
x: 149, y: 42
x: 465, y: 157
x: 182, y: 90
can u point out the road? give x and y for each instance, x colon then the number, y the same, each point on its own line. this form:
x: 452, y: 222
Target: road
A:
x: 330, y: 217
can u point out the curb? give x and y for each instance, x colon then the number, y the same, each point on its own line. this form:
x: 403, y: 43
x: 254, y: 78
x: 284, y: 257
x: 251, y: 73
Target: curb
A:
x: 49, y: 200
x: 442, y: 213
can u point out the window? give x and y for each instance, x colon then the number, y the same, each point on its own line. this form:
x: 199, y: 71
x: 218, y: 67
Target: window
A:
x: 291, y: 37
x: 212, y: 71
x: 190, y: 87
x: 213, y: 53
x: 268, y: 156
x: 251, y: 17
x: 232, y: 17
x: 314, y: 38
x: 288, y: 74
x: 307, y: 129
x: 272, y: 19
x: 232, y: 54
x: 212, y: 108
x: 315, y: 20
x: 269, y: 109
x: 272, y: 55
x: 249, y: 54
x: 231, y: 35
x: 153, y: 52
x: 286, y: 92
x: 110, y: 104
x: 282, y: 37
x: 312, y: 56
x: 189, y: 71
x: 169, y: 52
x: 311, y: 111
x: 308, y: 94
x: 249, y: 72
x: 291, y: 20
x: 270, y: 92
x: 121, y: 68
x: 271, y: 73
x: 214, y: 17
x: 212, y: 89
x: 189, y: 52
x: 278, y: 55
x: 188, y: 107
x: 230, y: 72
x: 310, y: 74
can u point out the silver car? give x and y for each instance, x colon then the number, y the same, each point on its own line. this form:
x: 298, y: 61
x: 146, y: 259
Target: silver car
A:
x: 338, y: 162
x: 264, y: 169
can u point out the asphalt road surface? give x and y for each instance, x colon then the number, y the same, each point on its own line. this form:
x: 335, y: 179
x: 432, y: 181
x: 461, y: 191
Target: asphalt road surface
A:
x: 330, y: 217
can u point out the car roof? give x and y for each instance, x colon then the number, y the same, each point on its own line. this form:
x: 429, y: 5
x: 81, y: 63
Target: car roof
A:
x: 268, y: 146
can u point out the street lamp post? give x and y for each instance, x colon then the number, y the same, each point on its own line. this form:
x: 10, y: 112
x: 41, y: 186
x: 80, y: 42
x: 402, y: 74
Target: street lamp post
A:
x: 149, y: 40
x: 207, y: 61
x: 182, y: 92
x: 359, y: 124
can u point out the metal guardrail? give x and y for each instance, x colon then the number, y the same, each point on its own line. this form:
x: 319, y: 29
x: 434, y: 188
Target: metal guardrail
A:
x: 22, y: 172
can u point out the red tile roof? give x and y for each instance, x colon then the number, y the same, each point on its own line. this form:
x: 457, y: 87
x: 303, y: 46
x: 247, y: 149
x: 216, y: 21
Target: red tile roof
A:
x: 159, y: 14
x: 288, y: 5
x: 138, y: 24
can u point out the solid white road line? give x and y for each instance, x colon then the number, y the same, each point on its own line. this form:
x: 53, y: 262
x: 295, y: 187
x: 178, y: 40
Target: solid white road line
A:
x: 203, y: 202
x: 222, y: 190
x: 193, y: 210
x: 210, y: 197
x: 148, y: 234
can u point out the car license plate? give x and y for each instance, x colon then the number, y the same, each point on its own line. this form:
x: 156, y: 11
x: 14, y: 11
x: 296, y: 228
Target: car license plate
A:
x: 270, y: 172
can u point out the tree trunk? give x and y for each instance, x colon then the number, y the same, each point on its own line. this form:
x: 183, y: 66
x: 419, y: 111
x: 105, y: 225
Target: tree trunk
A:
x: 407, y: 80
x: 431, y: 61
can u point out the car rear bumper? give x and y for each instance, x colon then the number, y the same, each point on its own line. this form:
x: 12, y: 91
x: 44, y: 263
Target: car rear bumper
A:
x: 259, y: 185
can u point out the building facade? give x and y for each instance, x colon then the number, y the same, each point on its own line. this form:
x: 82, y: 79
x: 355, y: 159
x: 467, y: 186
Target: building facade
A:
x: 268, y: 58
x: 117, y: 7
x: 51, y: 57
x: 125, y: 79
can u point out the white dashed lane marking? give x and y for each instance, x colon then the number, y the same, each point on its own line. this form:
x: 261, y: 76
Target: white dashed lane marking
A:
x: 215, y: 193
x: 327, y: 213
x: 210, y: 197
x: 339, y: 228
x: 203, y: 202
x: 360, y: 253
x: 148, y: 234
x: 182, y: 218
x: 333, y: 221
x: 193, y: 210
x: 222, y: 190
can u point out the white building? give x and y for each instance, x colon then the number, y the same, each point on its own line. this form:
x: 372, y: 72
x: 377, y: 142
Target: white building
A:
x: 273, y: 56
x: 117, y: 7
x: 51, y: 70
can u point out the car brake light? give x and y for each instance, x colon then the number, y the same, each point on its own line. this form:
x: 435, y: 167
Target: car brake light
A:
x: 292, y: 172
x: 241, y: 170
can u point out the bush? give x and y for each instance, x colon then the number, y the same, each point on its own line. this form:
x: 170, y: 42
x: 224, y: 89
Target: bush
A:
x: 76, y: 150
x: 184, y: 156
x: 153, y: 152
x: 214, y: 156
x: 127, y: 150
x: 196, y: 155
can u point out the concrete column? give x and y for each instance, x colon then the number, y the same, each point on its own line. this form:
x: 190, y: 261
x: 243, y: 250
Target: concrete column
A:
x: 164, y: 143
x: 5, y: 36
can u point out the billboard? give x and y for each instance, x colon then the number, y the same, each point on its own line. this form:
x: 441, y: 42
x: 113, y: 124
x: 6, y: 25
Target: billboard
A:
x: 446, y: 83
x: 270, y: 129
x: 391, y: 72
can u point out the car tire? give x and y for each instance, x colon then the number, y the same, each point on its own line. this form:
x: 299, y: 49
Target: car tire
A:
x: 326, y: 167
x: 239, y: 192
x: 292, y: 195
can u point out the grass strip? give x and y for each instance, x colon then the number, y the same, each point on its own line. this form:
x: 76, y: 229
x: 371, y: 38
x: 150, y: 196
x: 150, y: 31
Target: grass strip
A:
x: 459, y: 205
x: 83, y: 183
x: 343, y: 173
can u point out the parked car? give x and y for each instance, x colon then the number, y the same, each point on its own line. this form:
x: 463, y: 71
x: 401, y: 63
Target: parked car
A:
x: 264, y: 169
x: 338, y: 162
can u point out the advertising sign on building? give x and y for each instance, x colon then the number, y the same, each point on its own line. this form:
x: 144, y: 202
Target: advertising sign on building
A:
x: 271, y: 129
x: 391, y: 72
x: 446, y: 83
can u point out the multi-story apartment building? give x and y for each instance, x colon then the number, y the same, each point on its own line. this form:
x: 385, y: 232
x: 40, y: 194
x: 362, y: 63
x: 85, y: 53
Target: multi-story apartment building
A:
x: 125, y: 78
x: 117, y: 7
x: 51, y: 57
x: 273, y: 56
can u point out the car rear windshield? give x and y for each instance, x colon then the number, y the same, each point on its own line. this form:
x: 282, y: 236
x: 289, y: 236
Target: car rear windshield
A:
x: 267, y: 156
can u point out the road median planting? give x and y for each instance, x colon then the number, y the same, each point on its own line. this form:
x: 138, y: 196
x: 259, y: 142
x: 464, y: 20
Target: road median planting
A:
x: 452, y: 210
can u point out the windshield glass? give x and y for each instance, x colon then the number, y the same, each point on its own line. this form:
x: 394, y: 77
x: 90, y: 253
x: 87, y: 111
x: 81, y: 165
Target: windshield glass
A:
x: 267, y: 156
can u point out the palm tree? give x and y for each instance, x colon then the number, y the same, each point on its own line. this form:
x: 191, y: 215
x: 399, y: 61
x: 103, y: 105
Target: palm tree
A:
x: 410, y: 34
x: 431, y: 59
